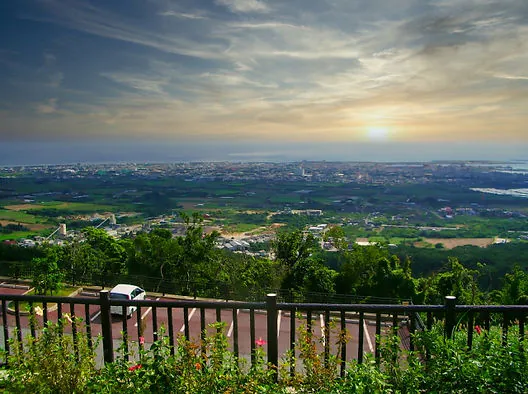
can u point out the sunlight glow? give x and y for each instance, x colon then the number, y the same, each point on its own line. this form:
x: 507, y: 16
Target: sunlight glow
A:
x: 378, y: 133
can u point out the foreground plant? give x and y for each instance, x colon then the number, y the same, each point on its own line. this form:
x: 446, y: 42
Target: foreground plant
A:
x: 51, y: 362
x: 56, y: 363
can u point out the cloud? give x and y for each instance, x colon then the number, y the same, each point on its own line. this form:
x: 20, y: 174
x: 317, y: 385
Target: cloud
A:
x: 298, y: 70
x: 49, y: 107
x: 244, y: 6
x: 182, y: 15
x: 83, y: 16
x: 56, y: 79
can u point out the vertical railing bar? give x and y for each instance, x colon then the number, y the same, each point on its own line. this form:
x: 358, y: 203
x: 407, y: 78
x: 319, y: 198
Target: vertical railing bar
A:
x: 487, y: 320
x: 6, y: 329
x: 74, y: 330
x: 155, y: 323
x: 309, y: 324
x: 429, y: 320
x: 186, y: 322
x: 218, y: 320
x: 361, y: 336
x: 327, y: 337
x: 450, y: 316
x: 470, y: 326
x: 88, y: 325
x: 171, y: 330
x: 395, y: 333
x: 45, y: 313
x: 235, y: 333
x: 505, y: 324
x: 17, y: 322
x: 202, y: 331
x: 124, y: 312
x: 521, y: 330
x: 522, y: 320
x: 32, y: 319
x: 59, y: 318
x: 106, y: 326
x: 292, y: 342
x: 272, y: 315
x: 377, y: 352
x: 139, y: 327
x: 344, y: 341
x: 252, y: 334
x: 412, y: 330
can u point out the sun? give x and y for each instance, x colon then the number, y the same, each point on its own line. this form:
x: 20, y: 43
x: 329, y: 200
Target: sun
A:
x: 378, y: 133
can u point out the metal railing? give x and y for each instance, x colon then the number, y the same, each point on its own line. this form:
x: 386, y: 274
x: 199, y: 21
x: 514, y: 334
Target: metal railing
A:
x: 385, y: 318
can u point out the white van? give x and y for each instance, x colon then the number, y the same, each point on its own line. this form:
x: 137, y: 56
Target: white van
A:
x: 126, y: 292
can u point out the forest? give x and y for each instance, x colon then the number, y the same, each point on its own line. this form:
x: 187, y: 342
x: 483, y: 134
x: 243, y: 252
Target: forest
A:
x: 193, y: 265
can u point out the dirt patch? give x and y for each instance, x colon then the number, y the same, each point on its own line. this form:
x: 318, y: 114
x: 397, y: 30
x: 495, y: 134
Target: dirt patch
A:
x: 193, y: 205
x: 450, y: 243
x: 22, y: 207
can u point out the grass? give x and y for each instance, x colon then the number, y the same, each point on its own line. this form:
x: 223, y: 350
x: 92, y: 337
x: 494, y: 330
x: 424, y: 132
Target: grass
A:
x: 240, y: 228
x: 17, y: 216
x: 63, y: 292
x: 17, y: 235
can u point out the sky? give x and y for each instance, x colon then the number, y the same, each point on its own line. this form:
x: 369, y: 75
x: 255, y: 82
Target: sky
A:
x: 172, y: 80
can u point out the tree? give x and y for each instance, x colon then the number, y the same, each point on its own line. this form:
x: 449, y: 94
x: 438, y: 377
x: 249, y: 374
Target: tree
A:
x: 47, y: 277
x: 456, y: 280
x: 292, y: 252
x: 293, y: 247
x: 337, y: 235
x: 108, y: 254
x: 515, y: 288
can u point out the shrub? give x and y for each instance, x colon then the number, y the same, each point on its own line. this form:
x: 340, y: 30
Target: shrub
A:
x: 54, y: 362
x: 51, y: 362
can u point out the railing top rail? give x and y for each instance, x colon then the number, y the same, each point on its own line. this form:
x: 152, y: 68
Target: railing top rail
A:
x: 375, y: 308
x: 389, y: 308
x: 142, y: 303
x: 49, y: 299
x: 492, y: 308
x: 191, y: 304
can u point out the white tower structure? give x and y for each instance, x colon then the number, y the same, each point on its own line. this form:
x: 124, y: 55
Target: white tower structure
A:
x: 62, y: 229
x: 113, y: 221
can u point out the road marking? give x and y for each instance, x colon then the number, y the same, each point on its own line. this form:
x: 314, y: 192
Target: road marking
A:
x: 279, y: 319
x: 231, y: 326
x: 365, y: 330
x: 321, y: 319
x: 145, y: 313
x: 95, y: 316
x: 182, y: 329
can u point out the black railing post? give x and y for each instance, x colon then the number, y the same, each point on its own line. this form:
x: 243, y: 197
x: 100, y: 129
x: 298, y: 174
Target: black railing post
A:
x: 106, y: 326
x: 273, y: 345
x: 450, y: 316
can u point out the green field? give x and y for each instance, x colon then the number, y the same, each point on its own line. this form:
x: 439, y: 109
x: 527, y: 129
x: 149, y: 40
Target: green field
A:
x: 17, y: 216
x: 240, y: 228
x: 17, y: 235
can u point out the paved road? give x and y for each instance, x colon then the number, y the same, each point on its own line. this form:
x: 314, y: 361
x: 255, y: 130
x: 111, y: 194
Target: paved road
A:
x: 146, y: 323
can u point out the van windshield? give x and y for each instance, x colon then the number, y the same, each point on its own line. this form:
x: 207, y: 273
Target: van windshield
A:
x: 118, y: 296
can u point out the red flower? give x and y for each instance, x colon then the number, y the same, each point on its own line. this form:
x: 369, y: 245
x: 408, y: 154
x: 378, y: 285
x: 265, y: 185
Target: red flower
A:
x: 260, y: 342
x: 478, y: 329
x: 198, y: 366
x: 135, y: 367
x: 141, y: 340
